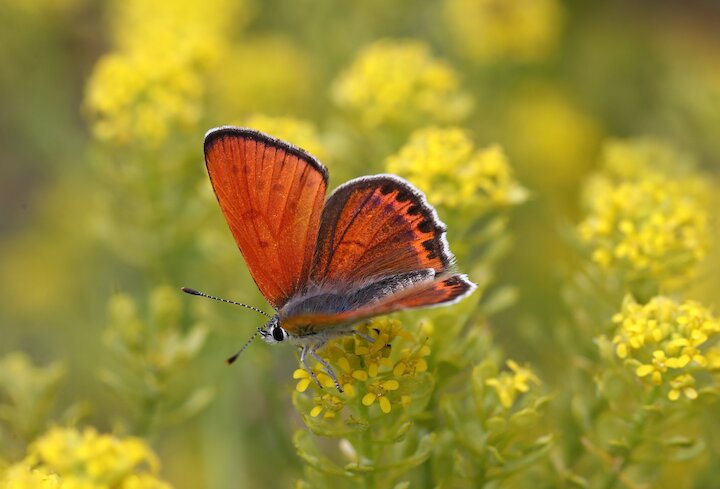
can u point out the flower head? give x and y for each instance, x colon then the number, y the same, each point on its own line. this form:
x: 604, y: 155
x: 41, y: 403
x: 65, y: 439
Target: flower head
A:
x: 491, y: 30
x: 445, y: 164
x: 65, y: 457
x: 153, y: 83
x: 664, y: 339
x: 643, y: 223
x: 376, y: 372
x: 398, y: 83
x: 682, y: 384
x: 508, y: 385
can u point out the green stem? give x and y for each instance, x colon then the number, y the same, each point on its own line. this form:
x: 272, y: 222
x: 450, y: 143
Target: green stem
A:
x: 365, y: 448
x: 634, y: 439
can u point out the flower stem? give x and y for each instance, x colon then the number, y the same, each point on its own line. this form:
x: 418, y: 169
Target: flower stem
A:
x: 634, y: 439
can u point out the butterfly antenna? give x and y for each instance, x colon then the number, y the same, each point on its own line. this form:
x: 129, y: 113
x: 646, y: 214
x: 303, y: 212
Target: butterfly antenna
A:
x: 232, y: 359
x: 190, y: 291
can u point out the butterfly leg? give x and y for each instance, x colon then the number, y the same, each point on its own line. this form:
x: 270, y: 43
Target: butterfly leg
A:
x: 368, y: 338
x: 364, y: 336
x: 323, y: 362
x: 304, y: 351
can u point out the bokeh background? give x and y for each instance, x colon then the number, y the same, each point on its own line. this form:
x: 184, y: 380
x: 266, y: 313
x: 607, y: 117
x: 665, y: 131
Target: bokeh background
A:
x: 572, y: 148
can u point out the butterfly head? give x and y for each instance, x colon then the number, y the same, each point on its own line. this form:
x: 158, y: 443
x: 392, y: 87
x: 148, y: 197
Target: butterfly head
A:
x: 272, y: 332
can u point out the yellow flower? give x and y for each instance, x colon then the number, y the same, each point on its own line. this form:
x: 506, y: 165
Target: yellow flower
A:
x: 508, y: 385
x: 400, y: 83
x: 684, y: 384
x: 490, y: 30
x: 25, y: 476
x: 411, y: 362
x: 297, y: 132
x: 305, y: 379
x: 444, y: 163
x: 521, y: 376
x: 370, y: 371
x: 153, y: 83
x: 655, y: 369
x: 378, y: 391
x: 664, y: 334
x: 651, y: 228
x: 329, y: 403
x: 65, y: 457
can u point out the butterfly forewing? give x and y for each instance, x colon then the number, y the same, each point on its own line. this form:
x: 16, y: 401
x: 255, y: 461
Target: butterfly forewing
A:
x: 375, y: 227
x: 271, y: 194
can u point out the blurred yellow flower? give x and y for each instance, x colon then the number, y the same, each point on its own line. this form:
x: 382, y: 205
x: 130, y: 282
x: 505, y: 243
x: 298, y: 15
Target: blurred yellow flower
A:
x: 269, y: 74
x: 508, y: 385
x: 194, y: 27
x: 24, y: 476
x: 682, y: 384
x: 552, y: 141
x: 665, y: 336
x: 153, y: 83
x: 644, y: 221
x: 492, y: 30
x: 140, y: 96
x: 65, y: 457
x: 444, y: 163
x: 295, y: 131
x: 400, y: 83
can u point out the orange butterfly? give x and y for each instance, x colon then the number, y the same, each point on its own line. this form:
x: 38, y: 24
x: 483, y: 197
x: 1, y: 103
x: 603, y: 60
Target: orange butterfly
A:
x: 376, y: 246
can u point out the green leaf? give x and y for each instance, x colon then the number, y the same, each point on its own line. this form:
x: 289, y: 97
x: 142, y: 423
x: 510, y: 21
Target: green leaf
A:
x: 689, y: 452
x: 524, y: 418
x: 499, y: 300
x: 496, y: 425
x: 309, y: 453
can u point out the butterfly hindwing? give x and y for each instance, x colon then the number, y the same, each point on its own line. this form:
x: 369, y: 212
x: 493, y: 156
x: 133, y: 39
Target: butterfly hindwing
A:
x: 436, y: 291
x: 271, y: 194
x: 375, y: 227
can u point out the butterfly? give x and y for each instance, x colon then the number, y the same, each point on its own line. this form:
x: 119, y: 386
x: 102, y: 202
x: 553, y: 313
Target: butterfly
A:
x: 374, y: 247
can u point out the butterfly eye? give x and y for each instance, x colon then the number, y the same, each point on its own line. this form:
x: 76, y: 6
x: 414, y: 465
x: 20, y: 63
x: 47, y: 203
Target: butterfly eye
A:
x: 277, y: 334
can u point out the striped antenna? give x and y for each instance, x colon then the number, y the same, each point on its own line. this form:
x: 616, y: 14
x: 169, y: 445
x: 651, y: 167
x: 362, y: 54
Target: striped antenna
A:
x: 232, y: 359
x: 190, y: 291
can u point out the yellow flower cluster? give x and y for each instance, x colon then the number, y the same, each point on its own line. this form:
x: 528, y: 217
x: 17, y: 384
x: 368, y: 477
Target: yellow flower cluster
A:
x: 400, y: 83
x: 508, y: 385
x: 299, y: 132
x: 667, y: 342
x: 65, y: 458
x: 491, y: 30
x: 647, y: 217
x: 370, y: 372
x: 153, y: 82
x: 444, y: 163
